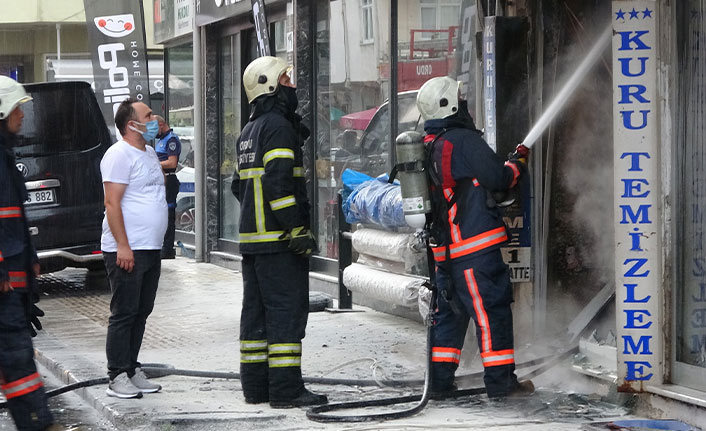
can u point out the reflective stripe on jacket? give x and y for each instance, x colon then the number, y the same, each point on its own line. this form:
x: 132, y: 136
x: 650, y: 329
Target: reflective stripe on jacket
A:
x: 468, y: 169
x: 269, y: 182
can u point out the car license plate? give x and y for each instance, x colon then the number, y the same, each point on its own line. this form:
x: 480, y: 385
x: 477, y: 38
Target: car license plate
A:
x: 40, y: 197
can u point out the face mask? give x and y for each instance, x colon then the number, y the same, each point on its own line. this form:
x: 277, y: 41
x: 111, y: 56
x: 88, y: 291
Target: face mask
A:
x: 463, y: 115
x: 151, y: 132
x: 290, y: 95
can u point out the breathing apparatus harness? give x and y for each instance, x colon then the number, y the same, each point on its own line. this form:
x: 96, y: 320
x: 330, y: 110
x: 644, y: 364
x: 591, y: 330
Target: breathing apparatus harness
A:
x: 440, y: 205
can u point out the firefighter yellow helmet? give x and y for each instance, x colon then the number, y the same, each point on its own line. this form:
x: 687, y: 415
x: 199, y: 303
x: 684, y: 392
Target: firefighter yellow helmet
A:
x: 438, y: 98
x: 12, y: 94
x: 262, y: 76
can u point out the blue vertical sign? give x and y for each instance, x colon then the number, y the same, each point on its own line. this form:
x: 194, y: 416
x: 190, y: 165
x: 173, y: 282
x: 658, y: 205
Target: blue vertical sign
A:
x: 636, y: 195
x: 489, y: 82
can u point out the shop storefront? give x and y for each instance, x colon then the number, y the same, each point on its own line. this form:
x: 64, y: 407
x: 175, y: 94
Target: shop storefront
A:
x: 228, y: 44
x: 358, y: 66
x: 369, y: 54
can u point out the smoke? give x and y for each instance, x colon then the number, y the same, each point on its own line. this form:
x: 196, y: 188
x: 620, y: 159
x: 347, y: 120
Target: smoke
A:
x: 580, y: 243
x: 587, y: 174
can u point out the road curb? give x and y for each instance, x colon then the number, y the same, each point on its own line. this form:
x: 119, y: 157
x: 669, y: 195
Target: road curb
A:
x: 70, y: 368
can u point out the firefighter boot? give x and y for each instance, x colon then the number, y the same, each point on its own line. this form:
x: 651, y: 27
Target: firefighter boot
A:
x: 443, y: 393
x: 523, y: 389
x: 305, y: 398
x: 257, y: 399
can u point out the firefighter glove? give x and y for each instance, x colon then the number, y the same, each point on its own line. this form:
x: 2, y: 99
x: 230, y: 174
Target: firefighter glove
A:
x: 521, y: 154
x: 301, y: 241
x: 520, y: 165
x: 36, y: 313
x: 518, y: 158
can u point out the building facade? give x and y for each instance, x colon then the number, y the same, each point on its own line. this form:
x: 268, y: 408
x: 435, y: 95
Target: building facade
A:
x: 587, y: 234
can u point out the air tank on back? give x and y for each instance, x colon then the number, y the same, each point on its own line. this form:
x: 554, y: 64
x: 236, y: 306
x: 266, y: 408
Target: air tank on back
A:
x: 413, y: 178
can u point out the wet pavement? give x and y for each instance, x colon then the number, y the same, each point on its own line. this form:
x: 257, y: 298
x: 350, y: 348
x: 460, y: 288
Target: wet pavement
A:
x: 194, y: 326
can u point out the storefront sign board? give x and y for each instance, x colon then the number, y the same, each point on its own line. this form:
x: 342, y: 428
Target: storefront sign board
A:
x: 636, y: 195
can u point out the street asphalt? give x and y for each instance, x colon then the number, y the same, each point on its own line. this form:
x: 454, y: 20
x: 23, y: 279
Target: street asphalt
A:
x: 194, y: 326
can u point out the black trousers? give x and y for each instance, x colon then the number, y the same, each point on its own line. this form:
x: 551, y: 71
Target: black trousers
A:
x: 272, y: 325
x: 477, y: 287
x: 132, y: 301
x: 21, y: 384
x: 171, y: 184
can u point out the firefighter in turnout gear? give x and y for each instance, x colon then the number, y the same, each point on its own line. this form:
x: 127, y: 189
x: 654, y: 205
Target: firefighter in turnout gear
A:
x: 472, y: 279
x: 20, y: 382
x: 275, y: 239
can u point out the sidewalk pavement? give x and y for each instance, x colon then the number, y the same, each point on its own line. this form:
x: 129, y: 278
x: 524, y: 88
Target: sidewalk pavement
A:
x: 195, y: 324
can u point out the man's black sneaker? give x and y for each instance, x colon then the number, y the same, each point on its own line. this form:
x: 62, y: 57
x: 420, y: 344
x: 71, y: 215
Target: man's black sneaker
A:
x: 443, y: 393
x: 306, y: 398
x: 168, y: 255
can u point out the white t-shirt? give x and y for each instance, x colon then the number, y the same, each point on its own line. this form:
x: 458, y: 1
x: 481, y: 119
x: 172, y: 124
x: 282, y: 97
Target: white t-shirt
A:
x: 144, y: 203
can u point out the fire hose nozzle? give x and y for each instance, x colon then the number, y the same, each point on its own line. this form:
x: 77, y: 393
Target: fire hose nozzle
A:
x: 521, y: 153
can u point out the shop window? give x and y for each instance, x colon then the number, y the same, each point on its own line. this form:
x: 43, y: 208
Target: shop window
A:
x: 351, y: 87
x: 280, y: 37
x: 691, y: 197
x: 180, y: 88
x: 366, y: 21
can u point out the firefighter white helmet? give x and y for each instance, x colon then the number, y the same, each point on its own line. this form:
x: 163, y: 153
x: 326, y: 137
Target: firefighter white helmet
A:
x: 262, y: 76
x: 438, y: 98
x: 11, y: 94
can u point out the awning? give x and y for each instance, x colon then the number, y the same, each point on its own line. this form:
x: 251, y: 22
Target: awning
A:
x: 357, y: 120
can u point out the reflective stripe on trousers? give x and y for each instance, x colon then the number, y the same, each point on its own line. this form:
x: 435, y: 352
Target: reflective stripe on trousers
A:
x: 445, y: 354
x: 22, y: 386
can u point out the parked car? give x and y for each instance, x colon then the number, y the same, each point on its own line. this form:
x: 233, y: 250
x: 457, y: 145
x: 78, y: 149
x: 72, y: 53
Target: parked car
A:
x: 368, y: 152
x: 60, y: 146
x: 185, y: 214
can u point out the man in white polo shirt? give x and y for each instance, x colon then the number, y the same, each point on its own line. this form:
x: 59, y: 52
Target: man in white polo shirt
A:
x: 133, y: 229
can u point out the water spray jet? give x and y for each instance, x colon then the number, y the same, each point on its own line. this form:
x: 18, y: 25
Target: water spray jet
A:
x: 568, y: 89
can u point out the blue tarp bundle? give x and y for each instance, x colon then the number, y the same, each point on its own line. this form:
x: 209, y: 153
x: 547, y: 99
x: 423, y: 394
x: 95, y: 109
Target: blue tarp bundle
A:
x: 649, y: 424
x: 371, y: 200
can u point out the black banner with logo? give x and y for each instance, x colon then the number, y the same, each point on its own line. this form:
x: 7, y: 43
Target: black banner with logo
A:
x: 466, y: 58
x: 116, y: 33
x: 263, y: 34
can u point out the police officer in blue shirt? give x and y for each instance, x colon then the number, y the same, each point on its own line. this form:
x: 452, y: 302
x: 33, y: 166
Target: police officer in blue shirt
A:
x: 168, y: 148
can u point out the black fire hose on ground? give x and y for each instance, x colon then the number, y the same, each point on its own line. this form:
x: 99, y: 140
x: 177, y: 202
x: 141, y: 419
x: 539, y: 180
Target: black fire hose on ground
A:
x: 160, y: 370
x: 315, y: 413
